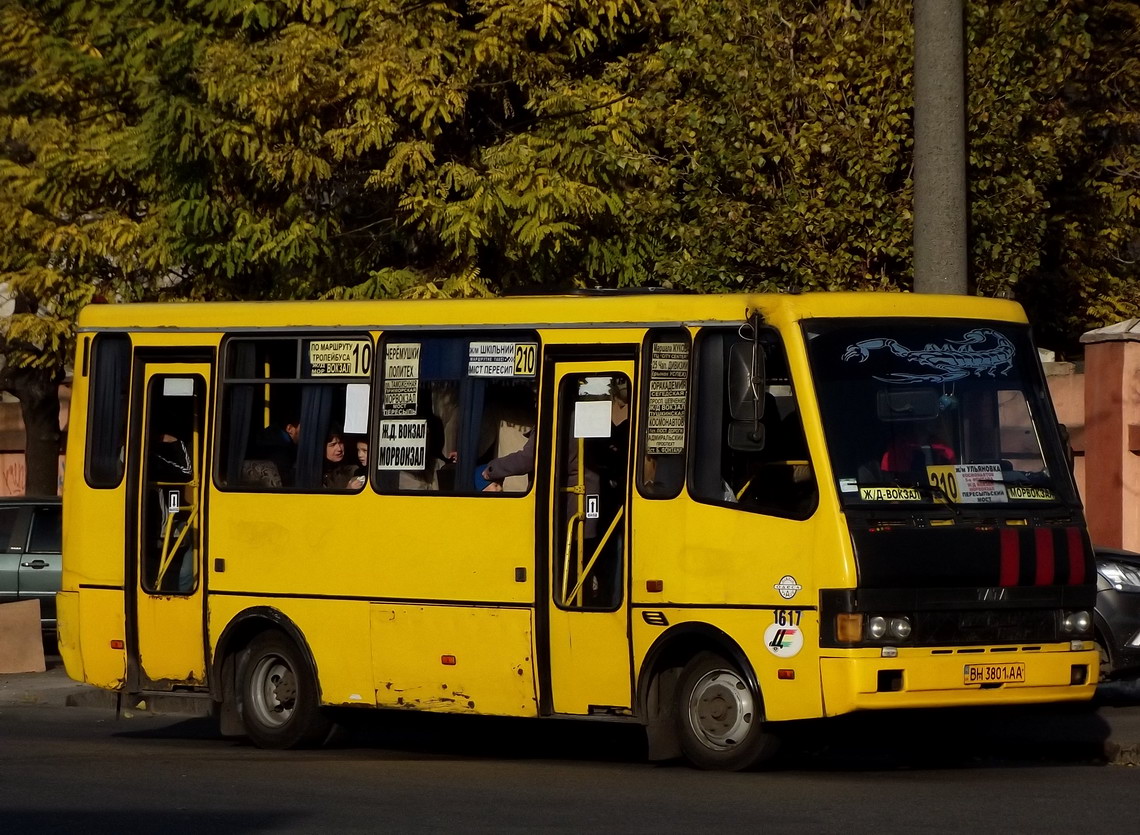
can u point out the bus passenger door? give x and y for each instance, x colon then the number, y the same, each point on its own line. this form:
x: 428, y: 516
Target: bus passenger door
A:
x: 588, y: 643
x: 168, y: 646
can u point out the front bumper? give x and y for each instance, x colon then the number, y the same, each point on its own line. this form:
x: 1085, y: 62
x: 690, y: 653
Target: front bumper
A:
x: 918, y: 677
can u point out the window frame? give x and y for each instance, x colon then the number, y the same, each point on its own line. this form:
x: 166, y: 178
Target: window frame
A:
x: 518, y: 336
x: 228, y: 382
x: 706, y: 392
x: 653, y: 336
x: 100, y: 454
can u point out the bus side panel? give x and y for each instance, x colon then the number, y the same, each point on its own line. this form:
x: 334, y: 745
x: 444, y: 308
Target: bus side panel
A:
x: 454, y: 659
x: 723, y: 556
x: 738, y: 558
x: 754, y: 631
x: 94, y: 540
x: 94, y: 544
x: 87, y: 652
x: 420, y: 547
x: 68, y: 633
x: 336, y: 632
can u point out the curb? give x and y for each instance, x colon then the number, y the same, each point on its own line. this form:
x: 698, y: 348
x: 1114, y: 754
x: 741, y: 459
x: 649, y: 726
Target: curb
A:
x: 1116, y: 754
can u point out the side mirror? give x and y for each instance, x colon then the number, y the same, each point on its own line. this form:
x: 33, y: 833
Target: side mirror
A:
x: 746, y: 375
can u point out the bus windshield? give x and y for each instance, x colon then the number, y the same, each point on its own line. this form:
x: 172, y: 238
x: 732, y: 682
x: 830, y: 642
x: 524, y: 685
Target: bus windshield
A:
x: 948, y: 411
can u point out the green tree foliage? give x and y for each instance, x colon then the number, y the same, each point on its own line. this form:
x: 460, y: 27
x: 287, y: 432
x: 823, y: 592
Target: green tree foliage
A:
x: 285, y: 148
x: 1089, y: 274
x: 780, y: 137
x: 69, y: 221
x: 370, y: 148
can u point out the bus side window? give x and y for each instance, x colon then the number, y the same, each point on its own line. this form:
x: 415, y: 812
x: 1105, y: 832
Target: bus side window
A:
x: 285, y: 400
x: 775, y: 477
x: 457, y: 414
x: 664, y: 413
x: 109, y: 394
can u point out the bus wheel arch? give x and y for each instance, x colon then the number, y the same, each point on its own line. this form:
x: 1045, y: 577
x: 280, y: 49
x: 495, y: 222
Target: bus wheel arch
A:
x: 671, y: 666
x: 267, y: 682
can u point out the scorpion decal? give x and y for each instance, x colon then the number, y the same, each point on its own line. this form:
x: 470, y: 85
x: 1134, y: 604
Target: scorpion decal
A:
x: 981, y: 350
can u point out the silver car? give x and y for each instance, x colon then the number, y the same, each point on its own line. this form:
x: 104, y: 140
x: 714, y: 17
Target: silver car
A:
x: 31, y: 553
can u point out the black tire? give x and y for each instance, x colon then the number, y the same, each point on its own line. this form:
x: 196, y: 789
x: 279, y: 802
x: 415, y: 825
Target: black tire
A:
x: 720, y: 717
x: 277, y: 695
x: 1106, y: 671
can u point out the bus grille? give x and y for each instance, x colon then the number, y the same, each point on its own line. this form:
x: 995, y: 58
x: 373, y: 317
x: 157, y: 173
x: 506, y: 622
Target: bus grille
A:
x: 1008, y: 626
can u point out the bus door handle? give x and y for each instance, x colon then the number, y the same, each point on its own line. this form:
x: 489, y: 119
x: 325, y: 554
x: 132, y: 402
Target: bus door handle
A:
x: 34, y: 564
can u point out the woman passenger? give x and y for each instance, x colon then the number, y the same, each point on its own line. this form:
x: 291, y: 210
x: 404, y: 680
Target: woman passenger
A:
x: 337, y: 473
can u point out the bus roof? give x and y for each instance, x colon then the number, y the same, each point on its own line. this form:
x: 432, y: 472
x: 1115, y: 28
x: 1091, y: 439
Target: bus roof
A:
x: 610, y: 310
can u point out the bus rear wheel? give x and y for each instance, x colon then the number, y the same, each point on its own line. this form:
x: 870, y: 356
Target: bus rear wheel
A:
x: 719, y: 716
x: 277, y: 695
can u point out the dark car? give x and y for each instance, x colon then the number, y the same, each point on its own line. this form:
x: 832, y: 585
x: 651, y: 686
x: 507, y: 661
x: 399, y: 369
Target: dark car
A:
x: 31, y: 553
x: 1117, y: 615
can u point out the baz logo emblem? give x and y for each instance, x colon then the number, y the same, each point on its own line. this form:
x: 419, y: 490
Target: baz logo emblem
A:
x: 787, y: 587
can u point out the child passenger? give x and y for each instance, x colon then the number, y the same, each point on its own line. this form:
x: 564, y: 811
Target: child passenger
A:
x: 360, y: 475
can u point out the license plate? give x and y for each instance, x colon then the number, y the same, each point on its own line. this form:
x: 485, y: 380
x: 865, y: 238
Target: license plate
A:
x: 994, y: 674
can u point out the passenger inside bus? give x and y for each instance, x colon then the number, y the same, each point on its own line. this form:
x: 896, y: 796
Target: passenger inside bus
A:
x: 605, y: 466
x: 519, y: 462
x: 337, y: 471
x: 438, y: 472
x: 360, y: 473
x: 914, y: 448
x: 507, y: 422
x: 274, y: 454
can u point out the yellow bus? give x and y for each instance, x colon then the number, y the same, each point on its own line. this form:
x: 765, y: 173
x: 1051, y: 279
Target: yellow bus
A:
x: 705, y: 514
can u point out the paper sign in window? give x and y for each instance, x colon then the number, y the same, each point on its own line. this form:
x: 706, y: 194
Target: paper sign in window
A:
x: 668, y: 385
x: 356, y: 408
x: 593, y: 419
x: 178, y: 387
x: 403, y: 445
x: 401, y: 378
x: 340, y: 358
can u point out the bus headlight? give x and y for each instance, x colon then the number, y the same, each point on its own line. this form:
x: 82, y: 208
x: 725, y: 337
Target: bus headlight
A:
x: 1076, y: 623
x: 900, y: 628
x: 876, y: 627
x: 857, y: 628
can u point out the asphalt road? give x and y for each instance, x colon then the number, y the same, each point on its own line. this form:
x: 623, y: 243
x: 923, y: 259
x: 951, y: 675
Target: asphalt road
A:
x: 1035, y: 770
x: 82, y: 770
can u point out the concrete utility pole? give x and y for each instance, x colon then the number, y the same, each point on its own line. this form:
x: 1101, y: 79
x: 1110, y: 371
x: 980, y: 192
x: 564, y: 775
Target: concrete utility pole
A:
x: 940, y: 207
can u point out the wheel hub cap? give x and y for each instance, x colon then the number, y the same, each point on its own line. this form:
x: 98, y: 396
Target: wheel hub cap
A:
x: 721, y: 710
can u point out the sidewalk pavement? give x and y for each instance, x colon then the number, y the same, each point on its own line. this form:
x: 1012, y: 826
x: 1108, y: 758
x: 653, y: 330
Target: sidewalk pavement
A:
x: 52, y: 689
x: 1110, y: 731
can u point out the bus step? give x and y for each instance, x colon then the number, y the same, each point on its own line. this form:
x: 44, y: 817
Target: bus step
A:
x: 166, y: 704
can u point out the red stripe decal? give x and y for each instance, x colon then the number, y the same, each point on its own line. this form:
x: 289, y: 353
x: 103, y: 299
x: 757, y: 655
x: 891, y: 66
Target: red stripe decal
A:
x: 1045, y: 565
x: 1076, y: 557
x: 1010, y: 557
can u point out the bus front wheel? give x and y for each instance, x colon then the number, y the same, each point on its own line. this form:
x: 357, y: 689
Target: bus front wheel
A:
x: 277, y: 695
x: 719, y: 716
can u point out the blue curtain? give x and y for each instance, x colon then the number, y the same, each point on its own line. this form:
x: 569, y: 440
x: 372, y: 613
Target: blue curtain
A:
x: 316, y: 413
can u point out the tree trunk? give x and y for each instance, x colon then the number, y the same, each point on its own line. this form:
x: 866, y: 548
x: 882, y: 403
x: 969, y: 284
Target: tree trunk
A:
x: 39, y: 405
